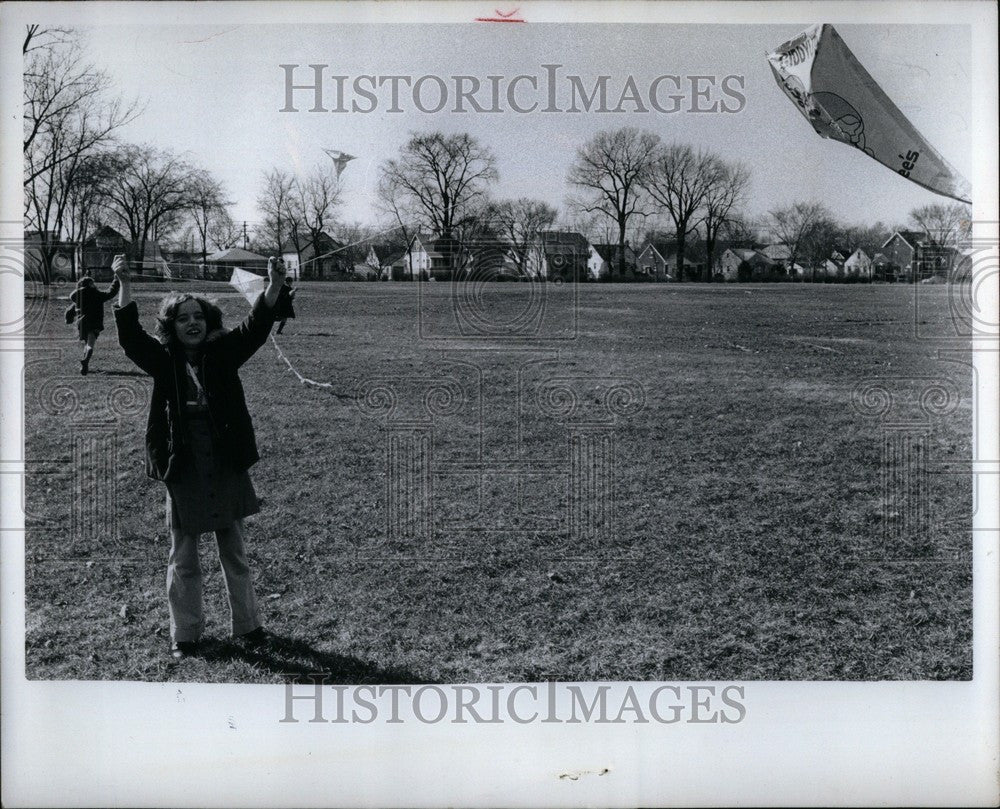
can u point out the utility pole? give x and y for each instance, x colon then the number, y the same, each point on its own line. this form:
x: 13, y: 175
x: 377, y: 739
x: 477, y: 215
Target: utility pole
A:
x: 244, y: 234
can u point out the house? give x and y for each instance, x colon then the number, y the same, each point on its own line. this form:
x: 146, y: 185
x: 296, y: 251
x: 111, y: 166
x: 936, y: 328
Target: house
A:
x: 420, y: 255
x: 438, y: 258
x: 777, y: 252
x: 882, y: 268
x: 912, y: 255
x: 562, y: 254
x: 496, y: 260
x: 383, y: 259
x: 316, y: 258
x: 744, y: 264
x: 658, y: 260
x: 858, y: 265
x: 220, y: 265
x: 605, y: 257
x: 63, y: 256
x: 99, y: 251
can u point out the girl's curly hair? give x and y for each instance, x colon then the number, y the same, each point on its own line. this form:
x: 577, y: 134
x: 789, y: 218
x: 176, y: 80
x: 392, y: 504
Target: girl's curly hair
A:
x: 165, y: 331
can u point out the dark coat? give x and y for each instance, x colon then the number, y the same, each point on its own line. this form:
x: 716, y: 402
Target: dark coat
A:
x: 89, y: 302
x: 222, y: 357
x: 283, y: 309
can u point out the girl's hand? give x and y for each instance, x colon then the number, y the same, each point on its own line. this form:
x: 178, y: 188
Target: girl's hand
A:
x: 120, y: 268
x: 276, y: 278
x: 276, y: 270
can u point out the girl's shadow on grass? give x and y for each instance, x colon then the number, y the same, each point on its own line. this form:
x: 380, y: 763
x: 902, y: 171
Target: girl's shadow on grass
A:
x: 101, y: 372
x: 299, y: 662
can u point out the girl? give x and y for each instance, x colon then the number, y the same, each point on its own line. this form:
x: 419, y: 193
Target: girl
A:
x: 88, y: 308
x: 200, y: 442
x: 285, y: 309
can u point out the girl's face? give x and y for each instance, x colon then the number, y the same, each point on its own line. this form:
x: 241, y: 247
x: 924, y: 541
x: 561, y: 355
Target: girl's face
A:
x: 190, y: 324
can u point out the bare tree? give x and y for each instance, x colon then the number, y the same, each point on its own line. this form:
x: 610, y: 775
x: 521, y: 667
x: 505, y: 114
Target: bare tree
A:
x: 678, y: 184
x: 869, y: 238
x: 85, y: 200
x: 438, y: 183
x: 742, y: 229
x: 947, y: 226
x: 726, y: 188
x: 821, y: 240
x: 519, y: 221
x: 274, y: 203
x: 149, y: 194
x: 796, y: 225
x: 208, y: 205
x: 610, y: 171
x: 312, y: 204
x: 67, y: 115
x: 223, y: 232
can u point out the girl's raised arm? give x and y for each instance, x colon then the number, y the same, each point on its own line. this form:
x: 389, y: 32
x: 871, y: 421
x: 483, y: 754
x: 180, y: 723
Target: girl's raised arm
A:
x: 242, y: 342
x: 120, y: 268
x: 145, y: 351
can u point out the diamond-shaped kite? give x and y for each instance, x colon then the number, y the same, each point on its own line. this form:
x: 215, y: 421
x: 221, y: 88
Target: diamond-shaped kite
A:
x: 340, y: 159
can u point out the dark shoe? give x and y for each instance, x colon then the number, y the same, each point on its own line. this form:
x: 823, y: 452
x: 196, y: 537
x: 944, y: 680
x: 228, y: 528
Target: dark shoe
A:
x: 254, y: 639
x: 180, y: 649
x: 83, y: 366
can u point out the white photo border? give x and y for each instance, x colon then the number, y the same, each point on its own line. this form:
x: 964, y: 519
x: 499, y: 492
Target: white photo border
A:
x: 802, y: 743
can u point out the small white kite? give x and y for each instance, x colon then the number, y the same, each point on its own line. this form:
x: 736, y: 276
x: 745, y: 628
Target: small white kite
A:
x: 842, y: 101
x: 249, y: 284
x: 340, y: 159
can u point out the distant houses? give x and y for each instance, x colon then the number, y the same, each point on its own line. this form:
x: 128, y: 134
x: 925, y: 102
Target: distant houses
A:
x: 909, y: 255
x: 552, y: 255
x: 220, y: 265
x: 316, y: 257
x: 607, y: 261
x: 563, y: 255
x: 658, y: 260
x: 858, y: 265
x: 743, y: 264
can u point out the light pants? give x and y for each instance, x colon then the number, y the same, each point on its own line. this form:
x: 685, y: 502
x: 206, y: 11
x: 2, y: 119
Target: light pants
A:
x: 184, y: 584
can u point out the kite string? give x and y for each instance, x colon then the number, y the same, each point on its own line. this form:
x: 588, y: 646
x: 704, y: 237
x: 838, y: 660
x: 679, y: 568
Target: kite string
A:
x: 304, y: 379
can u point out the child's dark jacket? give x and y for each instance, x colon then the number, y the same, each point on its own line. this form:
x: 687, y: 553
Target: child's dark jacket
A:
x: 222, y: 358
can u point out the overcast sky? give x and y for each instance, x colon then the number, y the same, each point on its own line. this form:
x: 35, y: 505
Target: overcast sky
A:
x: 215, y: 93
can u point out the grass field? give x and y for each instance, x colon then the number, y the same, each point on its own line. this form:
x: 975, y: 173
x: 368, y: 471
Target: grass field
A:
x: 751, y: 535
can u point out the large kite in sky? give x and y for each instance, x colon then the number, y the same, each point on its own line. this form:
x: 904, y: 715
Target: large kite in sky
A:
x: 842, y: 101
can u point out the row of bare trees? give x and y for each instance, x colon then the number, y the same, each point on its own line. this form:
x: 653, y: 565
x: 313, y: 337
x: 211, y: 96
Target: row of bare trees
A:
x: 440, y: 183
x: 626, y: 178
x: 296, y: 211
x: 79, y: 175
x: 627, y: 174
x: 811, y: 232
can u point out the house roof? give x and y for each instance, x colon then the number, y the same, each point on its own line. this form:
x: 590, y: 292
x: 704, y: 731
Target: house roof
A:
x: 777, y: 251
x: 693, y: 249
x: 387, y: 254
x: 564, y: 242
x: 236, y: 254
x: 106, y: 232
x: 324, y: 241
x: 911, y: 237
x: 609, y: 252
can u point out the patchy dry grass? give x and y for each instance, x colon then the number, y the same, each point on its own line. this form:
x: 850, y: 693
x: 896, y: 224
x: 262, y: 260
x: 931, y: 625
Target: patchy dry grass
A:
x: 749, y: 540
